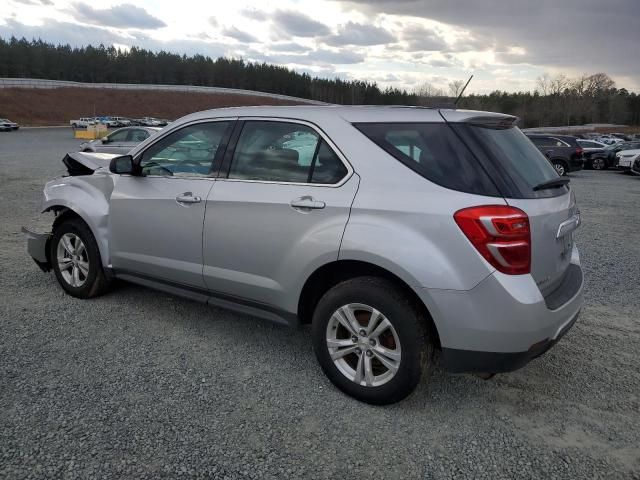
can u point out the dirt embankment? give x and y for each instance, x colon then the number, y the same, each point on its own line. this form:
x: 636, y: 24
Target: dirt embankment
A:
x: 35, y: 107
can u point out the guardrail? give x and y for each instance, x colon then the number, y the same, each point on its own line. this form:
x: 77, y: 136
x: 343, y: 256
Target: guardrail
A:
x: 41, y: 83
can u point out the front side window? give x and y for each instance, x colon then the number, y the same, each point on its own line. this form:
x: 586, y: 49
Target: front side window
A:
x: 137, y: 135
x: 188, y: 152
x: 284, y: 152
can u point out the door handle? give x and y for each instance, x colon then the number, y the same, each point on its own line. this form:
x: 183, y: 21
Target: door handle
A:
x: 307, y: 203
x: 187, y: 197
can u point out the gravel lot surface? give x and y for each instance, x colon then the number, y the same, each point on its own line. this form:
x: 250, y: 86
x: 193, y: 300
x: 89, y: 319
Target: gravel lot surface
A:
x: 138, y: 384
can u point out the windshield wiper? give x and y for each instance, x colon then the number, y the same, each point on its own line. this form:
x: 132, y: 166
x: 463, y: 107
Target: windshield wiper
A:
x: 553, y: 183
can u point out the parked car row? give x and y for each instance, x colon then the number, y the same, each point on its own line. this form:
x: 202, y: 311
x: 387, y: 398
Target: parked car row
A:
x: 117, y: 122
x: 568, y: 153
x: 7, y: 125
x: 609, y: 138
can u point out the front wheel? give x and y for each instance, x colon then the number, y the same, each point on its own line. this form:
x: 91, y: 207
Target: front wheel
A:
x: 371, y: 340
x: 560, y: 168
x: 76, y: 260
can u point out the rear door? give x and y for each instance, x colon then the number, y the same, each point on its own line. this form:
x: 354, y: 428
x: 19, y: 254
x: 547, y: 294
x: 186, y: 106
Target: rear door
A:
x: 277, y: 211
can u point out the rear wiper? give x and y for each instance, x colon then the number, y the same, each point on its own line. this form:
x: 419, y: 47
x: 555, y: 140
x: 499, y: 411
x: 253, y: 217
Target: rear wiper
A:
x: 553, y: 183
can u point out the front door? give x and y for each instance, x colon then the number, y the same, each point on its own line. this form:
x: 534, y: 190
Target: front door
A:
x: 156, y: 218
x: 278, y: 210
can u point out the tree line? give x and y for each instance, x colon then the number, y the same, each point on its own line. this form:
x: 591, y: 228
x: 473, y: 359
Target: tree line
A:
x: 556, y: 101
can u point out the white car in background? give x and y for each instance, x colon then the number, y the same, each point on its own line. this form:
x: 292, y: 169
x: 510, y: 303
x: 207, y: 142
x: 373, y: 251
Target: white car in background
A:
x: 82, y: 122
x: 608, y: 139
x: 626, y: 158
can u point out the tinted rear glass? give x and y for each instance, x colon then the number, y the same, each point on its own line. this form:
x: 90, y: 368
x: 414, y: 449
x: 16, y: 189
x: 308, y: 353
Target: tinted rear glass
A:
x: 434, y: 151
x: 514, y: 158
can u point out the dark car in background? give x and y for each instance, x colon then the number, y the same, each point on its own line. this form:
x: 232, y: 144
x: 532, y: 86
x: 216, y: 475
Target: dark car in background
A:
x: 563, y: 151
x: 596, y: 155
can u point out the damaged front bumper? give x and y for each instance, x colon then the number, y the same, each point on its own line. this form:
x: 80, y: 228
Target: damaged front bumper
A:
x: 37, y: 247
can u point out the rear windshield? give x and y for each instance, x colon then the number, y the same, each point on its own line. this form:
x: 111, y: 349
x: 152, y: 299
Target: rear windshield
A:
x: 434, y: 151
x: 512, y: 159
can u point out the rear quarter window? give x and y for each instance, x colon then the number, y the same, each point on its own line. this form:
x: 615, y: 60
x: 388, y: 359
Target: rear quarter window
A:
x: 434, y: 151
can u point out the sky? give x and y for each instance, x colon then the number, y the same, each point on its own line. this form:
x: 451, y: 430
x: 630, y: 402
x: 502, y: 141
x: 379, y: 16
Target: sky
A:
x: 505, y: 44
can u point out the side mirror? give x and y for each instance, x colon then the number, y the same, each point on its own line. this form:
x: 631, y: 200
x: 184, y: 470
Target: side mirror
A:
x: 104, y: 139
x: 122, y: 165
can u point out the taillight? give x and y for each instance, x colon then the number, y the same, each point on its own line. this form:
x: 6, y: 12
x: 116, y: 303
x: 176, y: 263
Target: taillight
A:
x: 579, y: 151
x: 501, y: 234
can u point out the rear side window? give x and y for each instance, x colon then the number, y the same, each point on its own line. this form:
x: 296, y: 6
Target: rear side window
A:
x: 548, y: 142
x: 516, y: 163
x: 434, y: 151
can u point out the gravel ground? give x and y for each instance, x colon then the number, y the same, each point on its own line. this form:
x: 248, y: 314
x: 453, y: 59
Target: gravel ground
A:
x: 138, y: 384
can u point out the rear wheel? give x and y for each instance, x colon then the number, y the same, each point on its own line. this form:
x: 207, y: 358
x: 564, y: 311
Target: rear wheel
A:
x: 560, y: 167
x: 371, y: 340
x: 76, y: 260
x: 598, y: 164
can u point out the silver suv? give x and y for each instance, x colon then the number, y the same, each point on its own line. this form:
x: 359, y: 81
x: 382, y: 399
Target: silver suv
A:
x: 395, y: 232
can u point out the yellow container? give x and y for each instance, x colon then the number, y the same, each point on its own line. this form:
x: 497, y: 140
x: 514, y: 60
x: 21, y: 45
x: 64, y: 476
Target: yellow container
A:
x: 84, y: 134
x: 92, y: 132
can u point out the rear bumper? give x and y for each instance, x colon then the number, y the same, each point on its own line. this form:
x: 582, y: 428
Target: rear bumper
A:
x: 460, y: 361
x: 503, y: 322
x: 37, y: 247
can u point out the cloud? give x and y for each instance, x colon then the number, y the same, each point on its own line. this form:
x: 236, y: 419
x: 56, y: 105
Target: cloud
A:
x: 420, y: 38
x: 81, y: 35
x: 237, y: 34
x: 353, y: 33
x: 290, y: 47
x: 122, y: 16
x: 341, y: 57
x: 34, y: 2
x: 61, y: 32
x: 298, y: 24
x: 541, y: 28
x: 254, y: 14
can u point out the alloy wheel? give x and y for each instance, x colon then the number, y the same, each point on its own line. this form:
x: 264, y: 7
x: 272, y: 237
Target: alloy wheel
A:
x: 597, y: 163
x: 559, y: 168
x: 73, y: 260
x: 363, y: 345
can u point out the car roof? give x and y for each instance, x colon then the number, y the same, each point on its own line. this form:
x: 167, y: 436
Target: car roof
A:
x: 350, y: 113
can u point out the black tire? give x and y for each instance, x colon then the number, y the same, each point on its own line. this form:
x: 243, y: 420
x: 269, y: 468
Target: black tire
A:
x: 410, y: 326
x: 598, y: 164
x: 95, y: 282
x: 560, y: 167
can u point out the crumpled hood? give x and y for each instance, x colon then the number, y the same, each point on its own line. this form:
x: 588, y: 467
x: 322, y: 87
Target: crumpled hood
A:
x: 85, y: 163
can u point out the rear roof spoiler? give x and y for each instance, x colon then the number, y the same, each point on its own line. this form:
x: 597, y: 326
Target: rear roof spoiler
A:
x: 506, y: 121
x: 483, y: 119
